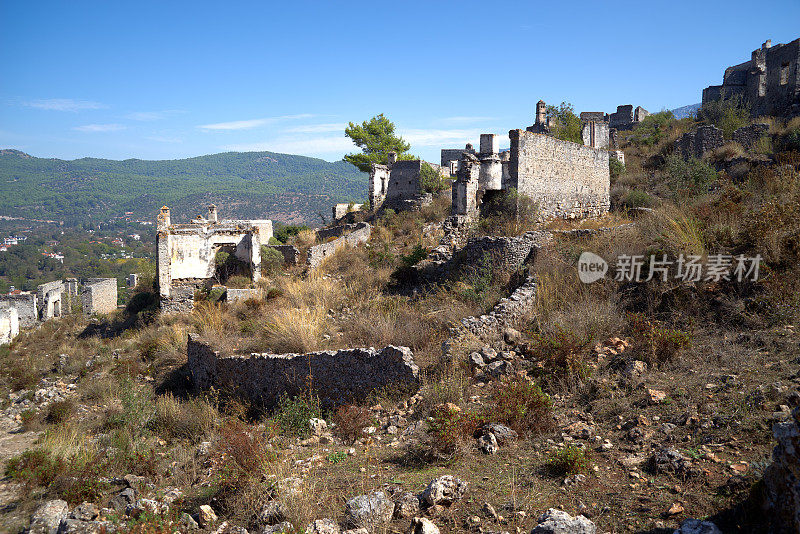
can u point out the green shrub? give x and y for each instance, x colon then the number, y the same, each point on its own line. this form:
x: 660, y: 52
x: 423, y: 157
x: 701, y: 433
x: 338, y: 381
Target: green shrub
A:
x: 271, y: 260
x: 657, y: 342
x: 521, y: 405
x: 653, y: 128
x: 570, y: 460
x: 34, y: 468
x: 293, y: 413
x: 430, y: 180
x: 59, y: 411
x: 615, y: 168
x: 637, y: 198
x: 791, y: 140
x: 727, y: 115
x: 689, y: 178
x: 564, y: 124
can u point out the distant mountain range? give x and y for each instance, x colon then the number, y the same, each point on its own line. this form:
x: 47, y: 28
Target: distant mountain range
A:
x: 282, y: 187
x: 686, y: 111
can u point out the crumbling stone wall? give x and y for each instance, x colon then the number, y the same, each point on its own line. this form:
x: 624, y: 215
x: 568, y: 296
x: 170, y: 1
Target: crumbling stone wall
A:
x: 565, y: 179
x: 317, y: 253
x: 491, y: 325
x: 236, y: 295
x: 696, y: 144
x: 336, y: 377
x: 595, y: 134
x: 49, y: 300
x: 99, y: 295
x: 290, y: 253
x: 9, y: 325
x: 450, y: 155
x: 340, y: 210
x: 748, y: 135
x: 769, y: 83
x: 26, y: 305
x: 324, y: 234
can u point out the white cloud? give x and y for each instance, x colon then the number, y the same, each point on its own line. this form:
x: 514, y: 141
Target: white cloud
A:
x: 251, y: 123
x: 99, y: 128
x: 317, y: 145
x: 64, y: 104
x: 319, y: 128
x: 148, y: 116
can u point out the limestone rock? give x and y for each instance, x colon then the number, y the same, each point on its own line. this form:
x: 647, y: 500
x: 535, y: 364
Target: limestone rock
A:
x: 206, y: 516
x: 670, y: 460
x: 406, y: 505
x: 487, y: 443
x: 122, y: 500
x: 372, y: 511
x: 512, y: 336
x: 695, y: 526
x: 318, y: 426
x: 444, y: 490
x: 558, y: 522
x: 323, y: 526
x: 47, y: 518
x: 502, y: 433
x: 281, y: 528
x: 476, y: 361
x: 85, y: 511
x: 635, y: 369
x: 188, y: 522
x: 76, y: 526
x: 361, y: 530
x: 271, y: 513
x: 421, y: 525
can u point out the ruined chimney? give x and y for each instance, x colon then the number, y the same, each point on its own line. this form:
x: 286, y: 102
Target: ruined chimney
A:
x: 490, y: 144
x: 163, y: 217
x: 212, y: 213
x: 392, y: 158
x: 469, y: 147
x: 541, y: 113
x: 767, y: 44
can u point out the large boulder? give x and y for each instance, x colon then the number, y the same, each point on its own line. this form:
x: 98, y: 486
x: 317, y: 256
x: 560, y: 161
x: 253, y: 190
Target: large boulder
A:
x: 371, y: 511
x: 695, y: 526
x: 76, y: 526
x: 444, y: 491
x: 559, y: 522
x: 406, y: 505
x: 48, y: 517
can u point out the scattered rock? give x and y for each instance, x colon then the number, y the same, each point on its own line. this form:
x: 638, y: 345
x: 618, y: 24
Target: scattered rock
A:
x: 85, y: 511
x: 656, y: 396
x: 695, y: 526
x: 323, y: 526
x: 406, y: 505
x: 488, y: 444
x: 670, y: 460
x: 476, y: 361
x: 444, y: 490
x: 281, y: 528
x: 512, y: 336
x: 189, y: 522
x: 206, y: 516
x: 499, y: 368
x: 47, y: 518
x: 558, y: 522
x: 675, y: 509
x: 372, y: 511
x: 502, y: 433
x: 271, y: 513
x: 318, y: 426
x: 122, y: 500
x: 489, y: 511
x: 635, y: 370
x: 76, y: 526
x: 421, y: 525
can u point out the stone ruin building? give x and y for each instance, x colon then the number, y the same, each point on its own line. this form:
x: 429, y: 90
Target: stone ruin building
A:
x: 340, y: 210
x: 769, y: 83
x: 397, y: 185
x: 599, y: 129
x: 28, y: 309
x: 186, y: 253
x: 451, y: 157
x: 565, y: 179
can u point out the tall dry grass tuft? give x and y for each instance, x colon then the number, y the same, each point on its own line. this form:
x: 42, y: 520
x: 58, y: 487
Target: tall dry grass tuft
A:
x: 315, y: 291
x: 675, y: 230
x: 296, y: 329
x: 176, y: 420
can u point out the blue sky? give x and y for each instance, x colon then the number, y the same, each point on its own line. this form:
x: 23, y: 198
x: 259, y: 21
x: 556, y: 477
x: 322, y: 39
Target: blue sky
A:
x: 169, y: 79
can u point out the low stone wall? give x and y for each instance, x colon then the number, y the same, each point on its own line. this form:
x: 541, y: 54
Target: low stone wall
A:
x: 180, y: 300
x: 589, y: 232
x: 9, y: 325
x: 99, y: 295
x: 695, y: 144
x: 336, y: 231
x: 290, y: 253
x: 504, y: 314
x: 336, y: 377
x: 236, y: 295
x: 748, y: 135
x: 317, y: 253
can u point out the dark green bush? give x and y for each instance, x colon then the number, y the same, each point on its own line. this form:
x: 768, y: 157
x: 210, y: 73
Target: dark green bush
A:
x: 293, y: 413
x: 570, y: 460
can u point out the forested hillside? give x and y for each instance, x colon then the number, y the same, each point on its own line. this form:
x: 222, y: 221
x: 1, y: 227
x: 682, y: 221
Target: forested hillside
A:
x: 282, y: 187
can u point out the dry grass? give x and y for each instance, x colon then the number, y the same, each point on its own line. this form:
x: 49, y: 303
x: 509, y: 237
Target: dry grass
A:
x: 676, y: 230
x: 188, y: 420
x: 296, y: 330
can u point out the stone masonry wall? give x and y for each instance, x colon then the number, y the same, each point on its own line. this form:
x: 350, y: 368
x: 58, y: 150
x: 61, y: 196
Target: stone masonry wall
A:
x: 26, y: 306
x: 695, y: 144
x: 49, y: 299
x: 290, y: 253
x: 99, y: 295
x: 317, y: 253
x: 336, y: 377
x: 748, y: 135
x: 782, y: 476
x: 9, y: 325
x: 565, y: 179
